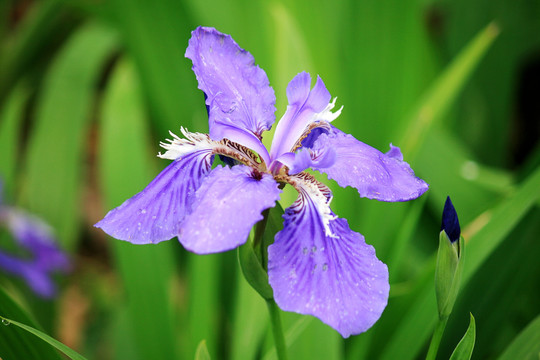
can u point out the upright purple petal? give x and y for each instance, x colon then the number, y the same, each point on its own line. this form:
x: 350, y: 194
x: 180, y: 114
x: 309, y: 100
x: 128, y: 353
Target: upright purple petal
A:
x: 308, y: 158
x: 227, y: 205
x: 238, y: 92
x: 318, y: 266
x: 375, y: 175
x: 306, y: 106
x: 155, y: 214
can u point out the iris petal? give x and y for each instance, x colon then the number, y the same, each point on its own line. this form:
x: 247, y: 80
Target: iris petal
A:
x: 306, y: 106
x: 155, y: 214
x: 384, y: 177
x: 238, y: 91
x: 307, y: 158
x: 37, y: 278
x: 36, y: 236
x: 227, y: 205
x: 319, y: 266
x: 45, y: 257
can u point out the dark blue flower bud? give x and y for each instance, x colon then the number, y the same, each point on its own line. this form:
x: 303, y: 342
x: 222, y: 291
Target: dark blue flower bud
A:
x: 450, y: 221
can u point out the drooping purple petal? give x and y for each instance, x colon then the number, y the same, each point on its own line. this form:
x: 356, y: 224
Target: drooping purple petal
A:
x: 35, y: 277
x: 306, y: 106
x: 237, y: 90
x: 44, y: 255
x: 155, y: 214
x: 384, y: 177
x: 36, y: 236
x: 227, y: 205
x: 319, y: 266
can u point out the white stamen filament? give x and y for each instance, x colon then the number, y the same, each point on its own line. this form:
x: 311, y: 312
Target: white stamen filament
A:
x: 178, y: 147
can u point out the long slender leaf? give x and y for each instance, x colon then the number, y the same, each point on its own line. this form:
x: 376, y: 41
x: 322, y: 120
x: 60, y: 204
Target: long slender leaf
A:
x: 55, y: 157
x: 16, y: 343
x: 53, y: 342
x: 10, y: 129
x: 155, y: 34
x: 465, y: 347
x: 443, y: 92
x: 250, y: 321
x: 41, y: 31
x: 202, y: 351
x: 204, y: 275
x: 484, y: 235
x: 125, y: 169
x: 526, y: 345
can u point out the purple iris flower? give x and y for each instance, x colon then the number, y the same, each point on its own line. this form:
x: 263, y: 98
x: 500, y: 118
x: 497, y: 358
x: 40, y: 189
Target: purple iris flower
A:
x: 317, y: 264
x: 42, y: 258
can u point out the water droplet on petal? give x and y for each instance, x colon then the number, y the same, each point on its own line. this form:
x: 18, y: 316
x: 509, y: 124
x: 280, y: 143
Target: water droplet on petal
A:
x: 5, y: 322
x: 313, y: 249
x: 304, y: 250
x: 325, y: 267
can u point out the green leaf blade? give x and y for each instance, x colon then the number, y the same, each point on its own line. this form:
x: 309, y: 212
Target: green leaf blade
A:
x: 465, y: 347
x: 526, y: 345
x: 72, y: 354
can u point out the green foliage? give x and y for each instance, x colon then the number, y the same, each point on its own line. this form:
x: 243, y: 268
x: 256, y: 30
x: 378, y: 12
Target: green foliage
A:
x: 145, y: 272
x: 15, y: 342
x: 465, y: 347
x: 526, y: 345
x: 88, y: 89
x: 202, y: 352
x: 55, y: 343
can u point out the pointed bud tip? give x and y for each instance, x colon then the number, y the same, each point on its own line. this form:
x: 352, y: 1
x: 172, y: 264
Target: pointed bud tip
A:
x: 450, y: 221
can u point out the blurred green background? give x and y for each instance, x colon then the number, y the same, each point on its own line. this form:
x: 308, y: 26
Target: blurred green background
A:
x: 88, y: 88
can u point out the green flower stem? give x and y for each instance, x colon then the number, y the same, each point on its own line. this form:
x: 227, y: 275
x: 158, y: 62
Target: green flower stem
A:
x: 277, y: 330
x: 436, y: 339
x: 273, y: 310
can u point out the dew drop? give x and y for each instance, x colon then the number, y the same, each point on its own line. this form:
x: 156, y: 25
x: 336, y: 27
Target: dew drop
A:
x: 305, y: 250
x: 5, y: 322
x: 325, y: 267
x: 143, y: 211
x: 313, y: 249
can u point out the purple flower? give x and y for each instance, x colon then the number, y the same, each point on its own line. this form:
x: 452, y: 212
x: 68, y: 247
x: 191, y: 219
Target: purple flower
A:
x: 317, y: 264
x: 42, y: 258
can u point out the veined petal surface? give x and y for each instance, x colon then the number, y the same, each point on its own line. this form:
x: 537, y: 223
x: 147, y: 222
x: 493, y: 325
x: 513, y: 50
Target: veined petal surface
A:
x: 237, y: 91
x: 384, y: 177
x: 306, y: 106
x: 318, y: 266
x: 227, y: 205
x: 155, y: 214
